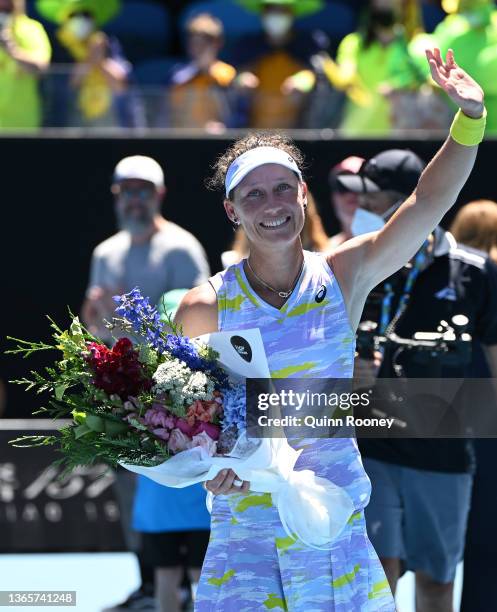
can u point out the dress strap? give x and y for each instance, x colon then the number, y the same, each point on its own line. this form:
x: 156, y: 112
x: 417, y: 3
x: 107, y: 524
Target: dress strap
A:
x: 216, y: 281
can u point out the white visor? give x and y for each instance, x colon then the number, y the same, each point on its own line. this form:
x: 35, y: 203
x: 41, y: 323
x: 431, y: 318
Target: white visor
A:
x: 254, y: 158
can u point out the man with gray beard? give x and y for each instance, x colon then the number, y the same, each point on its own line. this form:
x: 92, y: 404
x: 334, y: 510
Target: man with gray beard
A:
x: 156, y: 256
x: 148, y: 252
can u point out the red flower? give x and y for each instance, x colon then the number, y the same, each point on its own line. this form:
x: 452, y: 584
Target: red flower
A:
x: 123, y: 346
x: 117, y: 370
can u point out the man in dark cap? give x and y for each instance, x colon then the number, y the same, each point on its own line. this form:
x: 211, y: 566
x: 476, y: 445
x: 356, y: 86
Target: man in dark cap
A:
x: 382, y: 183
x: 421, y: 487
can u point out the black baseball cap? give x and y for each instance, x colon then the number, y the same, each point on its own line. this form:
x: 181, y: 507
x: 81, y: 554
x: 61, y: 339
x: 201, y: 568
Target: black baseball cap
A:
x: 392, y: 170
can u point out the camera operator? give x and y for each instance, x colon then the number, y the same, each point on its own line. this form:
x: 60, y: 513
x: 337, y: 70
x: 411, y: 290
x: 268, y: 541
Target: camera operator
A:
x: 418, y: 511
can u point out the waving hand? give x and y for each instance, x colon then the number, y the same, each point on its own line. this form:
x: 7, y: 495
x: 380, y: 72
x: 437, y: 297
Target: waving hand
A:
x: 457, y: 84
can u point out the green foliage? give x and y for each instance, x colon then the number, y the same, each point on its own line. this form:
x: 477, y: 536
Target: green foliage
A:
x: 97, y: 433
x: 208, y: 353
x: 95, y: 447
x: 71, y: 371
x: 103, y: 428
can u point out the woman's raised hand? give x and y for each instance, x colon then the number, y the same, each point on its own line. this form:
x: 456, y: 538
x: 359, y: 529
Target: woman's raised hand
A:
x: 457, y: 84
x: 225, y: 483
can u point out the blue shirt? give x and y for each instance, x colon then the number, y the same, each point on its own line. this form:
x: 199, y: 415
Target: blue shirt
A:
x: 157, y: 508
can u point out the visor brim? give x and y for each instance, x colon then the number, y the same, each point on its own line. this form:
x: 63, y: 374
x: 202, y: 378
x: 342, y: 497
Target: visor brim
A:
x: 357, y: 183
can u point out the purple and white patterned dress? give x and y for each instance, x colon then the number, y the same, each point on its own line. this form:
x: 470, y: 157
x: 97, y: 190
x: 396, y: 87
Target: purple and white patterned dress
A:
x: 251, y: 563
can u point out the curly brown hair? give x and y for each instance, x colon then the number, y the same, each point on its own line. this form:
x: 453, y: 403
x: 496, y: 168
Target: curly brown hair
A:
x: 244, y: 144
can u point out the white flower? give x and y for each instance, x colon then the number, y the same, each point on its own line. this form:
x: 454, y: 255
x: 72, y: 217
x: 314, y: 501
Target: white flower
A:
x: 198, y: 387
x: 183, y: 385
x: 171, y: 375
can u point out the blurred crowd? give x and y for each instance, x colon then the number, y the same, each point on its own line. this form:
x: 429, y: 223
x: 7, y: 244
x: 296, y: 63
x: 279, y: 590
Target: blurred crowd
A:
x: 358, y: 66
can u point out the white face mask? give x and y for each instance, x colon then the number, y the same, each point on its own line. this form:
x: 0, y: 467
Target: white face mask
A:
x: 81, y: 27
x: 365, y: 221
x: 277, y: 24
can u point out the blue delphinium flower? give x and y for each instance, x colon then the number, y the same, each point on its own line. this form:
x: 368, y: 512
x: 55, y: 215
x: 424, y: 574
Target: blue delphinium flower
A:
x: 182, y: 348
x: 143, y: 317
x: 235, y: 408
x: 146, y: 321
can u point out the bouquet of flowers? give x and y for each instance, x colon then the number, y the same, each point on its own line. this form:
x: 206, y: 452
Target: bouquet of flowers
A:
x: 138, y: 402
x: 174, y: 409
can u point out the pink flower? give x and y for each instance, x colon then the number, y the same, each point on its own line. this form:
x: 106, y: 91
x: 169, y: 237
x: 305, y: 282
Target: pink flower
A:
x: 185, y: 427
x: 162, y: 433
x: 177, y: 441
x: 171, y: 421
x: 210, y: 429
x: 205, y: 442
x: 155, y: 418
x: 159, y: 417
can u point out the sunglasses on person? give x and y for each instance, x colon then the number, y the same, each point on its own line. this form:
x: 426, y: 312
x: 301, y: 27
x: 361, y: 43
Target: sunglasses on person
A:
x: 128, y: 193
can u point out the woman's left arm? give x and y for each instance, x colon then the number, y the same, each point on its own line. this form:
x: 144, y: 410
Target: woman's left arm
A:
x: 376, y: 256
x: 439, y: 184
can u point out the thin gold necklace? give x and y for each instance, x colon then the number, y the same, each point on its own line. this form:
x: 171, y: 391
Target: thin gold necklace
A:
x: 282, y: 294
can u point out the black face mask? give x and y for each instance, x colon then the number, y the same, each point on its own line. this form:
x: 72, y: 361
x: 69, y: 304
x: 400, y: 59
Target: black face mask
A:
x: 384, y: 18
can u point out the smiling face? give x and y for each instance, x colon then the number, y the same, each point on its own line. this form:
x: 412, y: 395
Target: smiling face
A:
x: 269, y: 203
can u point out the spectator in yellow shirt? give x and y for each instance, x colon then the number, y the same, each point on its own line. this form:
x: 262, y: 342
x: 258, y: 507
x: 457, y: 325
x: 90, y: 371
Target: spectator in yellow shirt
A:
x: 374, y: 58
x: 470, y: 30
x: 24, y: 54
x: 201, y: 90
x: 101, y: 76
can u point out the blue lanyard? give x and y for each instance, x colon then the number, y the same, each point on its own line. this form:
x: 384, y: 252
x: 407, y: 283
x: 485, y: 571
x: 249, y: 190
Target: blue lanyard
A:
x: 418, y: 264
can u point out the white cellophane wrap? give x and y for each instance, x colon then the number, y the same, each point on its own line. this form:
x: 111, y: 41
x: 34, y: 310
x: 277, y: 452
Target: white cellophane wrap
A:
x: 312, y: 509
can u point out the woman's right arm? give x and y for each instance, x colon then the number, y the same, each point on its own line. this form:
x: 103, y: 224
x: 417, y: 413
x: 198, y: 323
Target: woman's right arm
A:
x: 197, y: 315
